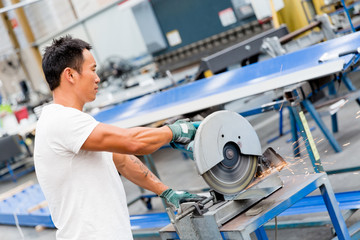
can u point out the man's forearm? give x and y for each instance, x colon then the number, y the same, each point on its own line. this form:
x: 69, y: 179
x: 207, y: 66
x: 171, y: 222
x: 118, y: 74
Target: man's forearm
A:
x: 134, y: 170
x: 127, y: 141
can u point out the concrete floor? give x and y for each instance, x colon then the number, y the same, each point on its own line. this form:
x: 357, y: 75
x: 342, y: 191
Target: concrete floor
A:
x: 184, y: 175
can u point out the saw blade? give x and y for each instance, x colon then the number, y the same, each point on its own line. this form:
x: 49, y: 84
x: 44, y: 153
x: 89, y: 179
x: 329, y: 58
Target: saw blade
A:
x: 226, y: 150
x: 232, y: 175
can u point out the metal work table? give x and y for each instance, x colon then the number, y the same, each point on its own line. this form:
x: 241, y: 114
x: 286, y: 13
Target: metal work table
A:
x: 295, y: 188
x: 275, y: 73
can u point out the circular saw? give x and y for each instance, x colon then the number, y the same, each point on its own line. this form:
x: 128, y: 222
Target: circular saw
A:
x: 226, y: 150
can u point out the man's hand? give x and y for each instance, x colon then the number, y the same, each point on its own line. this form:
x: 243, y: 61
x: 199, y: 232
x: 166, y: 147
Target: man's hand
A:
x: 174, y: 198
x: 183, y: 131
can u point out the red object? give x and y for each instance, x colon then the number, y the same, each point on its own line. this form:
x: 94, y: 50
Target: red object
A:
x: 21, y: 114
x: 14, y: 23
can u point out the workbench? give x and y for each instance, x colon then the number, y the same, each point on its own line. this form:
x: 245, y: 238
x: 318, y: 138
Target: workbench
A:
x: 295, y: 188
x: 267, y: 75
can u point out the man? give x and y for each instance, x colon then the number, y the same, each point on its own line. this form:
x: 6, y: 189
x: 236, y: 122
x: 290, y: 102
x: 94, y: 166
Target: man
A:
x: 77, y: 159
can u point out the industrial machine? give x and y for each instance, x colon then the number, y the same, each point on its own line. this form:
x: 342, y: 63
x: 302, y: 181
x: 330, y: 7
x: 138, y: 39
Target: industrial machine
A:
x: 228, y: 156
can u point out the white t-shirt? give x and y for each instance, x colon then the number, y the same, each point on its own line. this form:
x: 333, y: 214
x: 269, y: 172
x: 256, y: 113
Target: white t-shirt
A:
x: 83, y: 188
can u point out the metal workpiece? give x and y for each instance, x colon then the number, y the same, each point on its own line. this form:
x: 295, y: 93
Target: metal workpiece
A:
x: 269, y: 161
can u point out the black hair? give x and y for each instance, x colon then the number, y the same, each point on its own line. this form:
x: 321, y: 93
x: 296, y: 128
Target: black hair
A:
x: 62, y: 53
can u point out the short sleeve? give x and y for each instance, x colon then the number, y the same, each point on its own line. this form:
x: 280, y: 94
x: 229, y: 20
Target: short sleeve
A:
x: 72, y: 128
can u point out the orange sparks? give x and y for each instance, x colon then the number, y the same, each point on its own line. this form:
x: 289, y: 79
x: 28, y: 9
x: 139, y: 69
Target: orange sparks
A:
x: 329, y: 163
x: 358, y: 116
x: 320, y: 140
x: 297, y: 141
x: 281, y: 106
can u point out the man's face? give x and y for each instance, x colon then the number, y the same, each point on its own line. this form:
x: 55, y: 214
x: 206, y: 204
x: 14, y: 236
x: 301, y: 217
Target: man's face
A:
x: 88, y: 80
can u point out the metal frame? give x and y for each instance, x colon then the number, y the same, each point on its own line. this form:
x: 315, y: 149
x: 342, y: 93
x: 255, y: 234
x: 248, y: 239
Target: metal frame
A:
x: 298, y: 117
x: 348, y: 15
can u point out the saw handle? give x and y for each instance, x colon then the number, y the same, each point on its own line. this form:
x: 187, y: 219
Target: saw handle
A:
x: 189, y: 148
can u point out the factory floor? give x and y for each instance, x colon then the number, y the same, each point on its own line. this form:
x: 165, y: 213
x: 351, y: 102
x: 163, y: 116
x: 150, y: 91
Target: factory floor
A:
x: 180, y: 173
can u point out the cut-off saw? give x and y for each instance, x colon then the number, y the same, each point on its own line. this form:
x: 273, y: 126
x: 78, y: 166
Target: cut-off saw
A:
x: 228, y: 155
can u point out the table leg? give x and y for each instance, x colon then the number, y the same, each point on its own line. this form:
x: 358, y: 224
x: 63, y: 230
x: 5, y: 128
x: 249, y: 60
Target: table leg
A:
x: 294, y: 133
x: 348, y: 84
x: 315, y: 115
x: 334, y: 210
x: 261, y: 234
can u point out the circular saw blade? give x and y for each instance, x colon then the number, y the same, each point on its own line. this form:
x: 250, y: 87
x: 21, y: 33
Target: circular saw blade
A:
x: 232, y: 180
x: 226, y: 150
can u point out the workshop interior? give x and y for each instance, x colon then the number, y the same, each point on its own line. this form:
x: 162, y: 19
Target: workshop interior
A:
x: 272, y: 87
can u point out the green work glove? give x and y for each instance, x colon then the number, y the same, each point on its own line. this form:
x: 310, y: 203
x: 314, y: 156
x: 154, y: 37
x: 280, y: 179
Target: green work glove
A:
x: 183, y: 131
x: 174, y: 198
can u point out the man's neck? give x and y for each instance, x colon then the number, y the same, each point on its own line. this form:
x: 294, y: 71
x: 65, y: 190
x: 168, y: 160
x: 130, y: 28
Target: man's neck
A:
x: 67, y: 101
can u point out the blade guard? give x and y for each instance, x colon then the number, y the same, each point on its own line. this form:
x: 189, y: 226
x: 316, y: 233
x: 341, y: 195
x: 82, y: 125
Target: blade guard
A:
x: 215, y: 131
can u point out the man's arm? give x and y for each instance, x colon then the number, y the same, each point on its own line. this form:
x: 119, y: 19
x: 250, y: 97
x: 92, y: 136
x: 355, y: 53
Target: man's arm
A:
x: 134, y: 170
x: 139, y: 140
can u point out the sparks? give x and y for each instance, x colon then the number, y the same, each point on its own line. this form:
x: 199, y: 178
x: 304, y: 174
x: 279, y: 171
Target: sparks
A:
x: 346, y: 144
x: 328, y: 163
x: 281, y: 106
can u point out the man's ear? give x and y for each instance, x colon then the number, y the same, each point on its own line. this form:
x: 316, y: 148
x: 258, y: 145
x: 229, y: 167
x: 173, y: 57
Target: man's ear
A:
x: 68, y: 74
